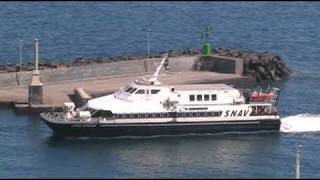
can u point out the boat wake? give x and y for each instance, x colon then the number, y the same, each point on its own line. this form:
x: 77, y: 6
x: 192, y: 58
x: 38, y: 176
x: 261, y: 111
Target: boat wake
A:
x: 300, y: 123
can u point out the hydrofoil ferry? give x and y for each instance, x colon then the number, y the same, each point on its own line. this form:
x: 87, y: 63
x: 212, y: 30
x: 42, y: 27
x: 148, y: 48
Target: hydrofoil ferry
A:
x: 146, y: 107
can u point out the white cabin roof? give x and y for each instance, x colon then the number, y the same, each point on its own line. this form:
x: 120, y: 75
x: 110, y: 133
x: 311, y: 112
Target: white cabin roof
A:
x: 188, y: 87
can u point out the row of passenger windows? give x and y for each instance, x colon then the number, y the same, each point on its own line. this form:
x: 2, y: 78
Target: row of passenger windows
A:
x: 143, y: 91
x: 161, y: 115
x: 140, y: 91
x: 204, y: 97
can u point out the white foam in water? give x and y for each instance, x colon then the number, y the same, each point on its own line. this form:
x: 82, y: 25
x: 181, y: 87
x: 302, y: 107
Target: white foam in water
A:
x: 300, y: 123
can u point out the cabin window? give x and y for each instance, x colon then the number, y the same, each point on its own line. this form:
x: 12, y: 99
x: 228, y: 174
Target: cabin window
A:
x: 173, y: 114
x: 194, y: 114
x: 128, y: 89
x: 150, y: 115
x: 199, y: 97
x: 133, y: 90
x: 142, y: 115
x: 140, y: 91
x: 191, y: 97
x: 165, y: 115
x: 213, y: 97
x: 135, y: 116
x: 127, y: 116
x: 154, y: 91
x: 215, y: 113
x: 206, y: 97
x: 120, y: 116
x: 157, y: 115
x: 201, y: 114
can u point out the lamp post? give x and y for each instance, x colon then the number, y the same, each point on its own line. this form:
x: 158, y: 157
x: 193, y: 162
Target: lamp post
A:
x: 36, y: 87
x: 145, y: 61
x: 298, y: 161
x: 20, y: 60
x: 149, y: 30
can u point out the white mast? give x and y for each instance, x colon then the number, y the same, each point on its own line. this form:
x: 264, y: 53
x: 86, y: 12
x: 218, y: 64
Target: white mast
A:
x: 154, y: 78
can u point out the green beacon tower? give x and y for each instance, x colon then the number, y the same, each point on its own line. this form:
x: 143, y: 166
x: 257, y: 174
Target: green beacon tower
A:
x: 206, y: 50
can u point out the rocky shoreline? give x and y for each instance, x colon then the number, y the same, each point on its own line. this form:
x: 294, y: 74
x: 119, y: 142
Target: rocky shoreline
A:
x: 261, y: 65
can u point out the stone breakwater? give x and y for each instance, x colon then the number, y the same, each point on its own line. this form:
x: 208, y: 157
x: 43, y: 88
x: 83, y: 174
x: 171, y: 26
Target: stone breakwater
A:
x: 261, y: 65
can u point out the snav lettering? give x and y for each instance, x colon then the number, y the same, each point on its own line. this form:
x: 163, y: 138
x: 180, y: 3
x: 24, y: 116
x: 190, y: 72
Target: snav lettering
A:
x: 235, y: 113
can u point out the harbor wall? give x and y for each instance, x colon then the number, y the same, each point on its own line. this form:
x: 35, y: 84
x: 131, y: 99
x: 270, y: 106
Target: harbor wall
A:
x: 93, y: 71
x: 219, y: 64
x: 262, y: 66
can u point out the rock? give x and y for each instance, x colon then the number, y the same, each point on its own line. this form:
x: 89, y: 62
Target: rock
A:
x: 98, y: 61
x: 235, y: 53
x: 266, y: 56
x: 117, y: 58
x: 11, y: 69
x: 250, y: 58
x: 174, y: 53
x: 274, y: 76
x: 195, y: 51
x: 271, y: 66
x: 3, y: 71
x: 263, y: 66
x: 285, y: 72
x: 258, y: 76
x: 185, y: 52
x: 254, y: 58
x: 277, y: 78
x: 78, y: 62
x: 3, y: 67
x: 261, y: 69
x: 159, y: 56
x: 53, y: 65
x: 29, y: 67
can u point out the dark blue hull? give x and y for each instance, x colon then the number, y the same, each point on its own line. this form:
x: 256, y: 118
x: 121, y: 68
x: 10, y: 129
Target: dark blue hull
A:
x: 151, y: 129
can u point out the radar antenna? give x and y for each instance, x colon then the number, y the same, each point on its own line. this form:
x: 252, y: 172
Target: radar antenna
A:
x: 154, y: 78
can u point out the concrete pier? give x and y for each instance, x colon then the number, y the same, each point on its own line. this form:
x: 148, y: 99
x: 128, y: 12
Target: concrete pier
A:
x: 80, y: 83
x: 55, y: 94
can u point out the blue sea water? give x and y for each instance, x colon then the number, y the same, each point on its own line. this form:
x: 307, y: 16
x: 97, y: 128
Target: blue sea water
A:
x: 68, y: 30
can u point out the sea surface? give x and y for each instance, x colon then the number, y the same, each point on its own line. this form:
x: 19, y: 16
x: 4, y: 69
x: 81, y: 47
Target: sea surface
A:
x: 68, y: 30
